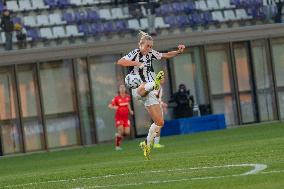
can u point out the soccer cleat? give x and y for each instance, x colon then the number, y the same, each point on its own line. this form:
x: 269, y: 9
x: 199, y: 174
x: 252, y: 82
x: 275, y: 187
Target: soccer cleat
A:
x: 158, y: 146
x: 118, y: 148
x: 146, y: 149
x: 159, y: 77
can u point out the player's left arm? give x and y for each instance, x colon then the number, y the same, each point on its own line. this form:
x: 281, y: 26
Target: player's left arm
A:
x: 171, y: 54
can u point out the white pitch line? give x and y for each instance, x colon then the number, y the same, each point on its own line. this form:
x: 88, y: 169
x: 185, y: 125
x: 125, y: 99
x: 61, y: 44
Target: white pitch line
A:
x: 257, y: 168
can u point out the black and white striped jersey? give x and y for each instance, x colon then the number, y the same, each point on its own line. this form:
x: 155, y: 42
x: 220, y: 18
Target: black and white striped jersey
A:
x: 146, y: 73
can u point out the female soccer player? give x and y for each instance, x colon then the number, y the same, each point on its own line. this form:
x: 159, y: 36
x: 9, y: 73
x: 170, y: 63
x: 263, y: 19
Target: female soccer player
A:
x: 121, y: 103
x: 143, y: 81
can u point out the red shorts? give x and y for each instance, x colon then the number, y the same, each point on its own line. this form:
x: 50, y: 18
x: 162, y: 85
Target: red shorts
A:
x: 125, y: 122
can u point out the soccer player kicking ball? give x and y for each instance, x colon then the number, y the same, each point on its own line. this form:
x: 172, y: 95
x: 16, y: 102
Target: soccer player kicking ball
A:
x: 143, y: 81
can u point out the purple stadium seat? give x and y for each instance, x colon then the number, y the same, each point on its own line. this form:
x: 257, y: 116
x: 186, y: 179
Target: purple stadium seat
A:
x: 63, y: 3
x: 17, y: 20
x: 108, y: 27
x: 92, y: 16
x: 207, y: 18
x: 84, y: 28
x: 51, y: 3
x: 68, y: 17
x: 189, y: 7
x: 196, y: 19
x: 164, y: 9
x: 80, y: 16
x: 178, y: 7
x: 257, y: 13
x: 1, y: 7
x: 33, y: 33
x: 170, y: 20
x: 182, y: 21
x: 97, y: 28
x: 120, y: 25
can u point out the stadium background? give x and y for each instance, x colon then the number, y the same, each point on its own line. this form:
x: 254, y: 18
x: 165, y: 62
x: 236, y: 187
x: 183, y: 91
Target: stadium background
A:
x: 55, y: 93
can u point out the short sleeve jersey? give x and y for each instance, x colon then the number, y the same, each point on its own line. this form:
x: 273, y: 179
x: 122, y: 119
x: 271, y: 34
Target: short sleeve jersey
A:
x: 122, y: 104
x: 146, y: 73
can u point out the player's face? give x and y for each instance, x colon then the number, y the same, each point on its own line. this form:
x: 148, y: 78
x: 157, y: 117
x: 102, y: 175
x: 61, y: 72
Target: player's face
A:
x: 122, y: 89
x: 146, y: 46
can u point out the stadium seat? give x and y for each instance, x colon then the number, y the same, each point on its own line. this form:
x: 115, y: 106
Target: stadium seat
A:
x: 218, y: 16
x: 17, y: 20
x: 68, y: 17
x: 92, y: 15
x: 134, y: 24
x: 12, y: 6
x: 39, y: 4
x: 42, y: 20
x: 195, y: 19
x: 159, y: 23
x: 182, y: 21
x: 1, y: 7
x: 55, y: 19
x: 230, y: 15
x: 25, y: 5
x: 120, y: 25
x: 46, y: 33
x: 33, y: 34
x: 84, y: 28
x: 225, y: 4
x: 63, y: 3
x: 207, y: 18
x: 105, y: 14
x: 80, y: 16
x: 241, y: 14
x: 189, y: 7
x: 171, y: 20
x: 201, y: 5
x: 164, y: 9
x: 178, y: 7
x: 108, y: 27
x: 213, y: 5
x: 144, y: 23
x: 118, y: 13
x: 97, y: 29
x: 50, y: 3
x: 30, y: 21
x: 72, y: 30
x: 59, y: 32
x: 76, y: 2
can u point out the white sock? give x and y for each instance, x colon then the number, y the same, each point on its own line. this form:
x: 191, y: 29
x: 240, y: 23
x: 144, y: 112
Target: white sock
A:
x: 154, y: 129
x: 157, y: 140
x: 149, y: 86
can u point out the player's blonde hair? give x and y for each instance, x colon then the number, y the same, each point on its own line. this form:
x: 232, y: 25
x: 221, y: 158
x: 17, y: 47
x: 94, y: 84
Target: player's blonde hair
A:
x: 143, y: 36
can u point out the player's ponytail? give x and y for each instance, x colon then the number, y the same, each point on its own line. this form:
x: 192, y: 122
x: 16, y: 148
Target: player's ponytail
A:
x: 143, y: 36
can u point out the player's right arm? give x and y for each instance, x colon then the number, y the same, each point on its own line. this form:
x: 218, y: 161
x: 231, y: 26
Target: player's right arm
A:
x: 129, y: 59
x: 124, y: 62
x: 113, y: 105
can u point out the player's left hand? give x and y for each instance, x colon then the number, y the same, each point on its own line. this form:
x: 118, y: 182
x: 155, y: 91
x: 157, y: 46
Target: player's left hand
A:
x: 181, y: 48
x: 131, y: 112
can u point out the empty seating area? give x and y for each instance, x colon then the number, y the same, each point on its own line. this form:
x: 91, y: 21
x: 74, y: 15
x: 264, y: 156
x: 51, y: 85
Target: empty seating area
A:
x: 69, y: 19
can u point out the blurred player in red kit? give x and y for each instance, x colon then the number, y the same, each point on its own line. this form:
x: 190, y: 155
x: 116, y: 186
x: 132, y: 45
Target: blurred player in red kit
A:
x: 121, y: 103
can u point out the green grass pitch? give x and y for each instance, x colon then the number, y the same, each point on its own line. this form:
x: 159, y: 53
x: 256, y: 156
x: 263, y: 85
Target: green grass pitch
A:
x: 240, y: 158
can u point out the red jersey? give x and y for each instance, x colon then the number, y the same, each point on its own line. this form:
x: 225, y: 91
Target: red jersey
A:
x: 122, y: 104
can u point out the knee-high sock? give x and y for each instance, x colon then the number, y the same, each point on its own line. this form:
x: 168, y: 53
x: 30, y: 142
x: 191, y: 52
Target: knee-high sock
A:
x: 154, y: 129
x: 118, y: 139
x: 157, y: 140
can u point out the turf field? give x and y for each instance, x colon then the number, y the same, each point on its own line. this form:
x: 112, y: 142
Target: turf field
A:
x: 242, y: 158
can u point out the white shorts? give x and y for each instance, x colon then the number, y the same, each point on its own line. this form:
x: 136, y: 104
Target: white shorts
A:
x: 148, y: 100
